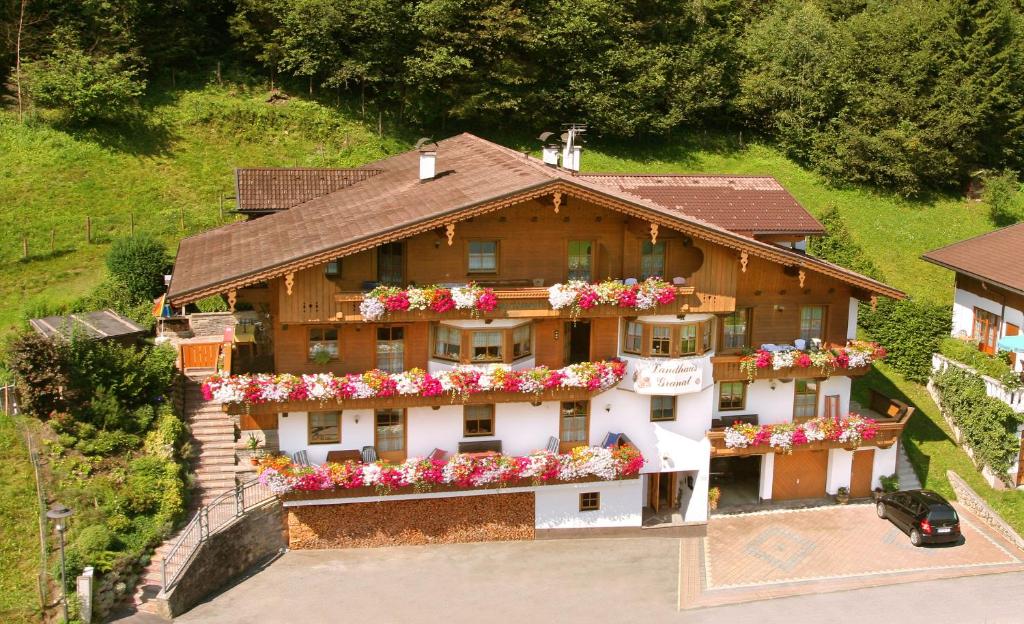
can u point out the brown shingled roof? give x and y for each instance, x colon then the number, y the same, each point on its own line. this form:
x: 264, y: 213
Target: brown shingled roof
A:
x: 272, y: 189
x: 744, y: 204
x: 474, y: 176
x: 994, y: 257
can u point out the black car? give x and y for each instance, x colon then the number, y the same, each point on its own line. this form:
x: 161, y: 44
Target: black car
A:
x: 926, y: 516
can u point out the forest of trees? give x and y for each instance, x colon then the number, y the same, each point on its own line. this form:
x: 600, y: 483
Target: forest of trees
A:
x: 907, y: 95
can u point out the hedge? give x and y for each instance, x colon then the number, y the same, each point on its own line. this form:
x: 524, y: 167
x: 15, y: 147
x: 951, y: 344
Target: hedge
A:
x: 996, y: 367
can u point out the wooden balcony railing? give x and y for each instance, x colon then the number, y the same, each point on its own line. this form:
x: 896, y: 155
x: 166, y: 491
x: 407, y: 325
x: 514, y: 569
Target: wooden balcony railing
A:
x: 727, y: 368
x: 889, y: 431
x: 399, y: 402
x: 522, y: 302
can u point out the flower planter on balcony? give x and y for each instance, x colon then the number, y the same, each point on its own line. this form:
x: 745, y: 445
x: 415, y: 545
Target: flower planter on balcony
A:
x: 852, y: 360
x: 886, y: 432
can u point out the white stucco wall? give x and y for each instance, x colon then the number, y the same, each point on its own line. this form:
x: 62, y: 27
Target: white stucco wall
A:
x: 767, y: 473
x: 293, y: 434
x: 851, y: 323
x: 774, y: 406
x: 840, y: 468
x: 884, y: 464
x: 557, y: 506
x: 963, y: 312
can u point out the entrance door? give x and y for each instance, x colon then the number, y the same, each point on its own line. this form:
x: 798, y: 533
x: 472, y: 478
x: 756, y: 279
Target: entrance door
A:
x: 860, y: 474
x: 389, y: 434
x: 577, y: 347
x: 654, y: 491
x: 986, y: 330
x: 800, y: 475
x: 1020, y: 464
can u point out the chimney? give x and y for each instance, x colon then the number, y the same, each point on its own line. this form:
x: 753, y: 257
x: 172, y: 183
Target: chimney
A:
x: 572, y: 141
x: 428, y: 158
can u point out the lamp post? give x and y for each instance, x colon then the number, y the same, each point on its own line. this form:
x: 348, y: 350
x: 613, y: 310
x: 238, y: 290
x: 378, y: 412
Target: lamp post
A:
x: 59, y: 514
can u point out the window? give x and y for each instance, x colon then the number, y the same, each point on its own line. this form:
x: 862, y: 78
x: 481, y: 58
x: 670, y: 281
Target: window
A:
x: 590, y: 501
x: 705, y: 336
x: 580, y: 260
x: 390, y: 264
x: 634, y: 339
x: 390, y: 430
x: 478, y: 420
x: 986, y: 330
x: 447, y: 342
x: 661, y: 341
x: 323, y: 340
x: 736, y: 329
x: 652, y: 260
x: 687, y: 340
x: 574, y: 428
x: 487, y: 346
x: 522, y: 341
x: 663, y: 408
x: 483, y: 256
x: 391, y: 349
x: 805, y: 403
x: 732, y: 395
x: 332, y: 269
x: 324, y: 427
x: 812, y: 323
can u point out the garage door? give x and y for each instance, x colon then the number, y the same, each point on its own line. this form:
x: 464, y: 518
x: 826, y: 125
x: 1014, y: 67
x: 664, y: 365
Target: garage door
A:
x: 860, y: 476
x: 800, y: 475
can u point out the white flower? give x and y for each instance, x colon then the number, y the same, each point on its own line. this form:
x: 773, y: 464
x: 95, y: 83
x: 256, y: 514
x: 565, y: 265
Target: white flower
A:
x: 464, y: 298
x: 562, y: 295
x: 418, y: 299
x: 371, y: 308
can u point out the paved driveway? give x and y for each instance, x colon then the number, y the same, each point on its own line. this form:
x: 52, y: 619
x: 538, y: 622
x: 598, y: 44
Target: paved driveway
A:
x: 544, y: 581
x: 744, y: 558
x: 780, y: 553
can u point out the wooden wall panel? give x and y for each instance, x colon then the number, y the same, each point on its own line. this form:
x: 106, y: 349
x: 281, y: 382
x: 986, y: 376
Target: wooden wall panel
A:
x: 989, y: 291
x: 604, y: 338
x: 549, y: 351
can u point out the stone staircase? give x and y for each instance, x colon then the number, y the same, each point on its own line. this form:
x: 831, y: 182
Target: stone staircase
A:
x: 214, y: 466
x: 905, y: 471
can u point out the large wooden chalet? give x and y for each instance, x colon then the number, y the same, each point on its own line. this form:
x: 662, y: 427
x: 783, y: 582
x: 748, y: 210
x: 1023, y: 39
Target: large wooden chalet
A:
x: 750, y: 331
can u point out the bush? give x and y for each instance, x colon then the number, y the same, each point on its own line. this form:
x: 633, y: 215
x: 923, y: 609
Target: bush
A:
x: 988, y: 425
x: 83, y: 86
x: 997, y: 367
x: 213, y: 303
x: 138, y: 262
x: 132, y: 376
x: 910, y: 331
x: 837, y: 246
x: 167, y: 435
x: 42, y: 372
x: 1000, y: 194
x: 107, y: 443
x: 144, y: 484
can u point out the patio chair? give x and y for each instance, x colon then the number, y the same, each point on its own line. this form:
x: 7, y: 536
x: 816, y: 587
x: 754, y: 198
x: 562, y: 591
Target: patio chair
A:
x: 301, y: 458
x: 369, y: 454
x: 679, y: 281
x: 610, y: 440
x: 630, y: 281
x: 800, y: 344
x: 552, y: 446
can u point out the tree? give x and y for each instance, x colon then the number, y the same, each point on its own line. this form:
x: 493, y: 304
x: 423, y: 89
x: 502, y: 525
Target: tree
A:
x: 1000, y: 193
x: 84, y: 87
x: 139, y: 263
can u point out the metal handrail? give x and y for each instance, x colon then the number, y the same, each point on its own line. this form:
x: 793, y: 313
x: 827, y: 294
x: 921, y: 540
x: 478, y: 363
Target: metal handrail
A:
x: 211, y: 518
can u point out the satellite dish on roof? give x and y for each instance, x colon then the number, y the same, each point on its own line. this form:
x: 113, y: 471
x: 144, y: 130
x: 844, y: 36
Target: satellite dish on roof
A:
x: 544, y: 136
x: 422, y: 144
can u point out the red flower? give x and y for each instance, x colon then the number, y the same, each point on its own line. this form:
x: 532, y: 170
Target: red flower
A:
x: 588, y: 299
x: 487, y: 301
x: 666, y: 295
x: 627, y: 298
x: 803, y: 361
x: 398, y: 302
x: 442, y: 300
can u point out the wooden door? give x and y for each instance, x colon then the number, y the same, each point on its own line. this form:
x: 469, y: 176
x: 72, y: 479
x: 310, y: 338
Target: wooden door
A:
x: 389, y: 434
x: 1020, y: 464
x: 800, y: 475
x: 861, y: 473
x: 654, y: 491
x: 199, y: 355
x: 1012, y: 330
x: 673, y: 490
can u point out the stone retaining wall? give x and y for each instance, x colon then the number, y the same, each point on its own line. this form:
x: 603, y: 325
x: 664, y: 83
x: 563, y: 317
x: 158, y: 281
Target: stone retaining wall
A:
x: 967, y: 497
x: 485, y: 518
x: 226, y: 555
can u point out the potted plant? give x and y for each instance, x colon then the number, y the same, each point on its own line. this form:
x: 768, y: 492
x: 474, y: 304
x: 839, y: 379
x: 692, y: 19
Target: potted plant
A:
x: 253, y: 444
x: 890, y: 483
x: 713, y: 495
x: 876, y: 494
x: 321, y: 355
x: 843, y: 495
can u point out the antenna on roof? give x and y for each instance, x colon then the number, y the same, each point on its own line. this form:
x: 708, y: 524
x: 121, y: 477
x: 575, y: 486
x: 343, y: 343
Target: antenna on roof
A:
x: 572, y: 145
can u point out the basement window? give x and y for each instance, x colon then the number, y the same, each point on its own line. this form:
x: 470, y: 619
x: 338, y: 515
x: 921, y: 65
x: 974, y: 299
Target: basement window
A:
x: 590, y: 501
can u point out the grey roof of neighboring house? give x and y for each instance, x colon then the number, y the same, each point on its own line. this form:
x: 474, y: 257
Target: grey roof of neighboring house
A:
x: 96, y: 325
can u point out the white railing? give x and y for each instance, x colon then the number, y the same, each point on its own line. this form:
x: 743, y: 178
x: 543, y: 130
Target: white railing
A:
x: 993, y: 387
x: 211, y: 518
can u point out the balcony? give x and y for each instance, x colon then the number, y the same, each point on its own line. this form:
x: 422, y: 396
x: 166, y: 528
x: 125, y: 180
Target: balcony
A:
x: 852, y: 360
x: 514, y: 302
x: 889, y: 427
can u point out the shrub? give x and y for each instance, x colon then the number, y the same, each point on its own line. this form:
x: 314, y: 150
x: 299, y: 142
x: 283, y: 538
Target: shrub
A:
x: 213, y: 303
x: 43, y: 375
x: 167, y: 435
x: 83, y: 86
x: 910, y: 331
x: 107, y: 443
x: 837, y: 246
x: 144, y: 484
x: 1000, y: 193
x: 133, y: 376
x: 966, y: 352
x: 988, y: 425
x: 138, y: 262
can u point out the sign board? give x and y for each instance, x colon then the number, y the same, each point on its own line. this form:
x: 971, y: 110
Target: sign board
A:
x: 668, y: 377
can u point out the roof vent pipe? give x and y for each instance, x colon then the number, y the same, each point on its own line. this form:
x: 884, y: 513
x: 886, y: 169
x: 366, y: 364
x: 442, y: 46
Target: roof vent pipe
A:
x: 428, y: 158
x: 572, y: 142
x: 549, y: 149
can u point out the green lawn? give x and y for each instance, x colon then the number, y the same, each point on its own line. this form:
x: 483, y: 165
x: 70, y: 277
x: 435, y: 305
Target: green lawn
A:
x: 893, y: 231
x: 180, y: 155
x: 930, y: 445
x: 19, y: 530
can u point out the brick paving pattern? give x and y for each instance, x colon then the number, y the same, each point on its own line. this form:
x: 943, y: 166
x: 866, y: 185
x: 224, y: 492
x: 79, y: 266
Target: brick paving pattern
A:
x: 782, y: 553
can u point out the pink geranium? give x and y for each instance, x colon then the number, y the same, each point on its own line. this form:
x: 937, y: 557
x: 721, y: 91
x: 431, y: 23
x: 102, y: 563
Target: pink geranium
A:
x: 487, y: 301
x: 398, y: 302
x: 442, y: 300
x: 666, y: 295
x: 803, y: 361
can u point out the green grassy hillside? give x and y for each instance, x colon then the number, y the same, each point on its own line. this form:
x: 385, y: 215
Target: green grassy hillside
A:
x: 178, y: 157
x: 19, y: 539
